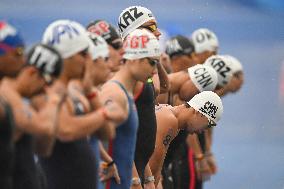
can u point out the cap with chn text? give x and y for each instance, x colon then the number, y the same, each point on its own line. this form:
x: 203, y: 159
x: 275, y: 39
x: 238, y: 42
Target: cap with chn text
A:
x: 208, y: 104
x: 205, y: 78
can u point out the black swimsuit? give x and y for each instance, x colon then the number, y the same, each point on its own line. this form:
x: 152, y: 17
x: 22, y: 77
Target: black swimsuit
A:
x: 146, y: 136
x: 25, y: 171
x: 6, y: 146
x: 72, y: 165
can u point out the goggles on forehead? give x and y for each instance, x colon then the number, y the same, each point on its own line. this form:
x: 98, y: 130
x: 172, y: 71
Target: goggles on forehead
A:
x: 152, y: 27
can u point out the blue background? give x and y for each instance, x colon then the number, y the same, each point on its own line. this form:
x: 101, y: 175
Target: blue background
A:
x: 249, y: 141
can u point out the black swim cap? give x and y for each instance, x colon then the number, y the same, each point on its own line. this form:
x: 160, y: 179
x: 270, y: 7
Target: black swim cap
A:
x: 107, y: 31
x: 179, y: 45
x: 46, y: 59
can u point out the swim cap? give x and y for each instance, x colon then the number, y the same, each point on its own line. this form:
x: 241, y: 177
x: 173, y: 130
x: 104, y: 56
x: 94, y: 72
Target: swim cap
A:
x: 208, y: 104
x: 204, y: 40
x: 222, y: 65
x: 98, y: 47
x: 66, y: 36
x: 141, y: 44
x: 46, y: 59
x: 133, y: 17
x: 204, y: 77
x: 179, y: 45
x: 10, y: 38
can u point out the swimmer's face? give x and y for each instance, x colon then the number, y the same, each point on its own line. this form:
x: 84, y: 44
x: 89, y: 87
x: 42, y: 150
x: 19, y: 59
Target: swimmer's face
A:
x: 200, y: 58
x: 12, y: 62
x: 100, y: 70
x: 146, y: 68
x: 196, y: 122
x: 76, y: 64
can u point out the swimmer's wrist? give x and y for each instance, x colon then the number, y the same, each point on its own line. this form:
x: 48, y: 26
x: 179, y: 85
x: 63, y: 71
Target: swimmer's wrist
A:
x: 110, y: 163
x: 135, y: 181
x: 208, y: 154
x: 199, y: 157
x: 104, y: 113
x: 149, y: 179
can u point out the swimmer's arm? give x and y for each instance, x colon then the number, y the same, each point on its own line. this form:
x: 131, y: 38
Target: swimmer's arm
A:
x: 135, y: 175
x: 92, y: 95
x: 193, y: 142
x: 208, y: 139
x: 39, y: 101
x: 115, y: 102
x: 36, y: 123
x: 148, y: 174
x: 107, y: 131
x: 73, y: 127
x: 163, y: 76
x: 166, y: 131
x: 44, y: 144
x: 103, y: 153
x: 156, y: 162
x: 2, y: 113
x: 157, y: 84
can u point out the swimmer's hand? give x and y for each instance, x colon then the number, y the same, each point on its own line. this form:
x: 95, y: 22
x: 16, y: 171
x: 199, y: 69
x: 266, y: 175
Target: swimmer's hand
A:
x: 109, y: 171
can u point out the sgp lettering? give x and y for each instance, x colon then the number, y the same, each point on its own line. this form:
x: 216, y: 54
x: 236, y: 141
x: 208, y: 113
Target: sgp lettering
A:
x: 99, y: 28
x: 136, y: 42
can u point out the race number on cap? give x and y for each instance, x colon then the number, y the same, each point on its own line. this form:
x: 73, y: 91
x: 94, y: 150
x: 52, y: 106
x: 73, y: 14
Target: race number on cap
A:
x: 205, y: 78
x: 222, y: 65
x: 204, y: 40
x: 141, y: 44
x: 208, y: 104
x: 66, y: 36
x: 46, y: 59
x: 131, y: 18
x: 235, y: 64
x: 98, y: 47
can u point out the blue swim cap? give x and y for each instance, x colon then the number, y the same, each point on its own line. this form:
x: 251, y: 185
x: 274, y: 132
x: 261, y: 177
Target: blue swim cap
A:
x: 9, y: 38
